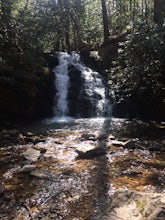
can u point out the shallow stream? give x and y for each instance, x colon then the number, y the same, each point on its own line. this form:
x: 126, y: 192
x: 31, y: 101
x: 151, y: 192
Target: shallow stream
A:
x: 63, y: 186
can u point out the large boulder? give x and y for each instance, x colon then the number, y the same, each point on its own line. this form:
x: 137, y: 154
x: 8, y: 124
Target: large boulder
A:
x: 80, y: 103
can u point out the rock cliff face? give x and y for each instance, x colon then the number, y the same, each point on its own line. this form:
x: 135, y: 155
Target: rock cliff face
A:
x: 80, y: 104
x: 74, y: 91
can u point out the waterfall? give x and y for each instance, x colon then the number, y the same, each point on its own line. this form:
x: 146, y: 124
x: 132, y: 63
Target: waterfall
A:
x: 91, y: 97
x: 61, y: 85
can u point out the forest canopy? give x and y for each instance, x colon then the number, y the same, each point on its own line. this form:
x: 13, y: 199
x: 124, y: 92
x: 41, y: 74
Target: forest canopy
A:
x: 67, y: 24
x: 31, y: 28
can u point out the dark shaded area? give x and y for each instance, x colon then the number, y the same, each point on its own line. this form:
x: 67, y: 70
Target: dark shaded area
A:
x: 74, y: 91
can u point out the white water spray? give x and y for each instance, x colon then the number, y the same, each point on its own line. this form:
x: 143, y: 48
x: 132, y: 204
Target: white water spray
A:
x: 61, y: 85
x: 93, y: 88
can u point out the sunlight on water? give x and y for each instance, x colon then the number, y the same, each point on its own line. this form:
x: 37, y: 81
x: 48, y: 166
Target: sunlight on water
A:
x: 62, y: 119
x: 61, y: 85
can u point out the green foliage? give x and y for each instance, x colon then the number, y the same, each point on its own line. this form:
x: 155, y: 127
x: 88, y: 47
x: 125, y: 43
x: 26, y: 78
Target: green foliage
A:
x: 140, y: 68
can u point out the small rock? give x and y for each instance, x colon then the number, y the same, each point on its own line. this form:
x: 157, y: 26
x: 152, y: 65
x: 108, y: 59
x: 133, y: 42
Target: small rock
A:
x: 32, y: 154
x: 54, y: 209
x: 29, y: 134
x: 27, y: 168
x: 43, y: 150
x: 4, y: 133
x: 20, y: 138
x: 124, y: 139
x: 39, y: 174
x: 88, y: 137
x: 111, y: 137
x: 159, y: 214
x: 130, y: 144
x: 13, y: 132
x: 117, y: 143
x: 96, y: 152
x: 102, y: 137
x: 37, y: 139
x: 20, y: 135
x: 43, y: 175
x: 11, y: 203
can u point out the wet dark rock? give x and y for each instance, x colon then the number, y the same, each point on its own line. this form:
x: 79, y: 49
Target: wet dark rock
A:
x: 96, y: 152
x: 124, y: 139
x: 130, y: 144
x: 42, y: 150
x: 13, y: 137
x: 74, y: 91
x: 52, y: 59
x: 34, y: 139
x: 28, y: 140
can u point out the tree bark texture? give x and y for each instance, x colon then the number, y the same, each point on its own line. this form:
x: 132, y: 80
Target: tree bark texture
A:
x: 105, y: 20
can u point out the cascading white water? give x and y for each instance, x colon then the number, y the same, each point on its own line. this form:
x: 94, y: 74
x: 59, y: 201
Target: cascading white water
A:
x: 93, y: 88
x: 61, y: 85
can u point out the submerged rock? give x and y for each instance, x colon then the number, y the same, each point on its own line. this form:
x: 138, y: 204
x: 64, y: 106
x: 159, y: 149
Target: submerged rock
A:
x: 129, y: 144
x: 32, y: 154
x: 96, y: 152
x: 88, y: 137
x: 27, y: 168
x: 43, y: 175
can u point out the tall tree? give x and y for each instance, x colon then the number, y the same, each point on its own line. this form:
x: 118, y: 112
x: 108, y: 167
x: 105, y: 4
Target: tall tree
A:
x: 105, y: 20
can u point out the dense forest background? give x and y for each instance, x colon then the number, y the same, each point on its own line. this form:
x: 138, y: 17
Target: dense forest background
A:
x: 127, y: 35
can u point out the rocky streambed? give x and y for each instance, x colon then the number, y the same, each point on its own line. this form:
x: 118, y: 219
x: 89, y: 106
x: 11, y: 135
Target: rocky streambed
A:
x: 76, y: 174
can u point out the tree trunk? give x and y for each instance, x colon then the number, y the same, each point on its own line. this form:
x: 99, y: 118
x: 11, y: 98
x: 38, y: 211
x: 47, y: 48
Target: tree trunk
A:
x: 105, y: 21
x: 159, y: 11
